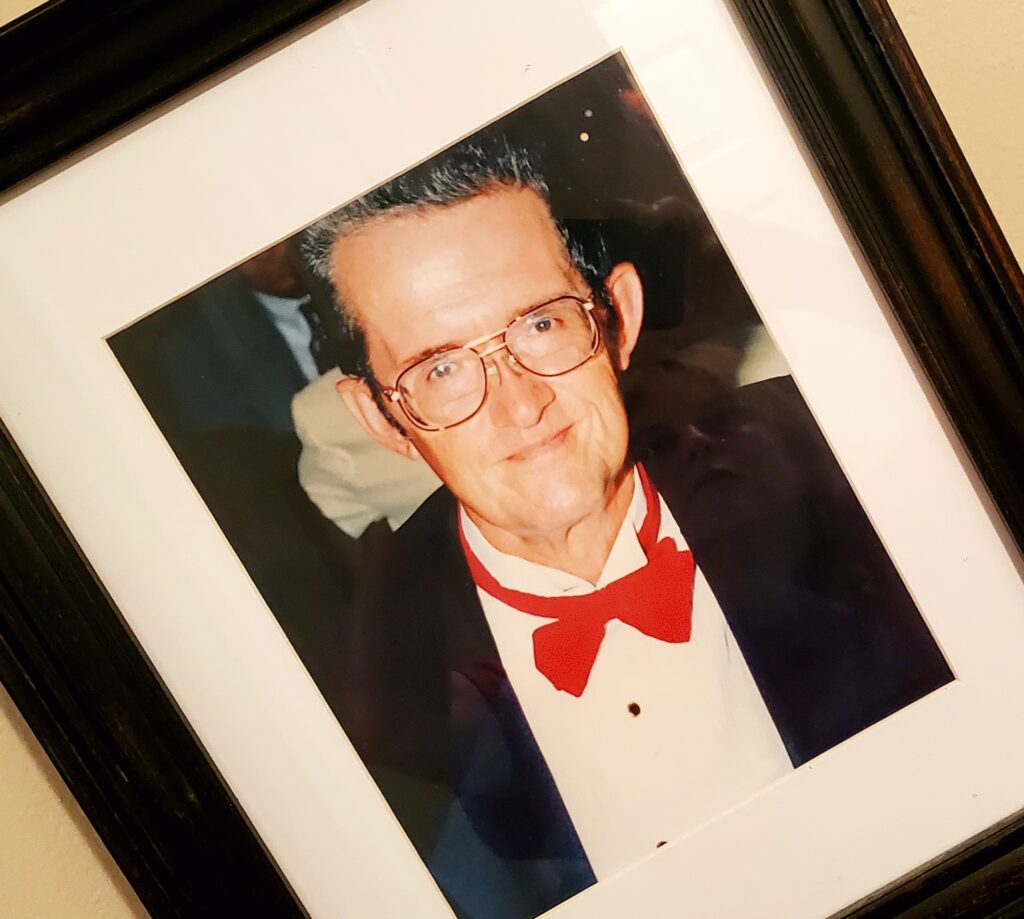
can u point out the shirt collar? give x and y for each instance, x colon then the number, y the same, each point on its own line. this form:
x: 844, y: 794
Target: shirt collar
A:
x: 283, y: 307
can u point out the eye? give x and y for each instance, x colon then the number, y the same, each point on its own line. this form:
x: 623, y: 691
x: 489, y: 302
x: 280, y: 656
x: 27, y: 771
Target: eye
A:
x: 543, y: 323
x: 441, y: 371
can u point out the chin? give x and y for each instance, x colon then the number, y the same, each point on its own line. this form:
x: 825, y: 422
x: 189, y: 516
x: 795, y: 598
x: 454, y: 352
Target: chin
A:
x: 561, y: 504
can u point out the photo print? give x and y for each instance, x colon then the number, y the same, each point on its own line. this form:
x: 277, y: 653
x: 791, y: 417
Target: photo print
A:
x: 510, y: 455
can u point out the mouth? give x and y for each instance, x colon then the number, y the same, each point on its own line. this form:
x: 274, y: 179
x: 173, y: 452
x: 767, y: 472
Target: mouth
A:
x: 541, y: 447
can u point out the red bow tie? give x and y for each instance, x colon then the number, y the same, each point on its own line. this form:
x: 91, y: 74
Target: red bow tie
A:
x: 656, y: 600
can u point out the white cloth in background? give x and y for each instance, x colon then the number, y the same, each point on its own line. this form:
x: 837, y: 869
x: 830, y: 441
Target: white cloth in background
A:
x: 348, y: 475
x: 761, y: 359
x: 286, y: 314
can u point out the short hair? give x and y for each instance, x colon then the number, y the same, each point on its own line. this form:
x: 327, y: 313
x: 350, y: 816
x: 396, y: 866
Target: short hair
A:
x: 464, y: 171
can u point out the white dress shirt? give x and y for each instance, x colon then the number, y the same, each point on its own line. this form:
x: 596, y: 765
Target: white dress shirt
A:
x: 664, y: 737
x: 286, y: 314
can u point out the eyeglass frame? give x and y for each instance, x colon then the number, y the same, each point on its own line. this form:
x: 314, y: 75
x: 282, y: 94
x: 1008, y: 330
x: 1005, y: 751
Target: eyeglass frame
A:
x: 394, y: 394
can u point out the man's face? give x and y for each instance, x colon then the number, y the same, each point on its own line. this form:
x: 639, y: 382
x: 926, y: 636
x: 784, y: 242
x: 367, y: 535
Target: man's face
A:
x: 542, y: 453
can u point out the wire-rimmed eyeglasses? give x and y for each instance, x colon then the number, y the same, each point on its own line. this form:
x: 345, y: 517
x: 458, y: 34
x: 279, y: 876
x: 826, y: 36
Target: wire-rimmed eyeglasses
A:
x: 450, y: 387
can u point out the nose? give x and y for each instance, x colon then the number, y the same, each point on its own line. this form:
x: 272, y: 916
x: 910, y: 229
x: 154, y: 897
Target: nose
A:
x: 517, y: 397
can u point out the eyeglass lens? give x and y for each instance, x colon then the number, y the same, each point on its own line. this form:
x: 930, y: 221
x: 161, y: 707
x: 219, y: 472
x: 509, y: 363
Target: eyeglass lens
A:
x: 449, y: 387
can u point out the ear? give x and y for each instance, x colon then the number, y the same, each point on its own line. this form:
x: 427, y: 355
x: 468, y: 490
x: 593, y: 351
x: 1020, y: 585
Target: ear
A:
x: 355, y: 393
x: 626, y: 293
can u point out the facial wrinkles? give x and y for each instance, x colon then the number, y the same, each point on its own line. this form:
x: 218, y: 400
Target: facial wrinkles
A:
x: 578, y: 543
x: 452, y: 276
x: 591, y: 443
x: 475, y: 302
x: 449, y: 301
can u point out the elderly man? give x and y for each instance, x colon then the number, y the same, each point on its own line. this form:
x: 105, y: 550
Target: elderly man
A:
x: 543, y: 680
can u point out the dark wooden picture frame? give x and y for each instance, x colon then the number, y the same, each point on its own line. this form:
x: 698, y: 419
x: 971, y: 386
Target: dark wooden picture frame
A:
x: 74, y: 73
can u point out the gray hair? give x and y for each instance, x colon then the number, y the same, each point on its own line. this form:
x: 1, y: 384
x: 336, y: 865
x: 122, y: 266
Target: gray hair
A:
x: 458, y: 174
x: 462, y: 172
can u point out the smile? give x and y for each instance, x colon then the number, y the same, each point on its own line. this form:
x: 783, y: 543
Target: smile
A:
x: 541, y: 447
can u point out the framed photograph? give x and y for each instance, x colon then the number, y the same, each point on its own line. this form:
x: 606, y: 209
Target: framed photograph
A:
x: 531, y: 470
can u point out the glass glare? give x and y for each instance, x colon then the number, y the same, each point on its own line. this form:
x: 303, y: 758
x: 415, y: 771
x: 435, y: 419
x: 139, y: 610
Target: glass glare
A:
x: 448, y: 388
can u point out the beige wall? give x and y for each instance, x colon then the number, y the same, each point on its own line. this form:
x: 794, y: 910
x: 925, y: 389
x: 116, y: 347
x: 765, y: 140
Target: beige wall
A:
x: 52, y: 863
x: 969, y: 51
x: 10, y: 9
x: 52, y: 866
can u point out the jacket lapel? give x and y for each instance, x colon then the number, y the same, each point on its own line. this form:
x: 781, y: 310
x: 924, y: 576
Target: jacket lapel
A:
x: 433, y: 715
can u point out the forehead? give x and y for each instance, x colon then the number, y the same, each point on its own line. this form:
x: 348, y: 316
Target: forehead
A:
x: 451, y: 271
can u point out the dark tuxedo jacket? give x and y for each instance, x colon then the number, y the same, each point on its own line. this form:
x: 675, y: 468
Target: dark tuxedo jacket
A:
x: 830, y: 634
x: 218, y: 379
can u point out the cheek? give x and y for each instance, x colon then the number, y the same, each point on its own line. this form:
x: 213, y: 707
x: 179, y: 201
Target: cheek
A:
x: 467, y: 457
x: 602, y: 408
x: 458, y: 456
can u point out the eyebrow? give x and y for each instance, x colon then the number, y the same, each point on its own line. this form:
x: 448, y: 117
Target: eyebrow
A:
x: 451, y: 346
x: 428, y: 352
